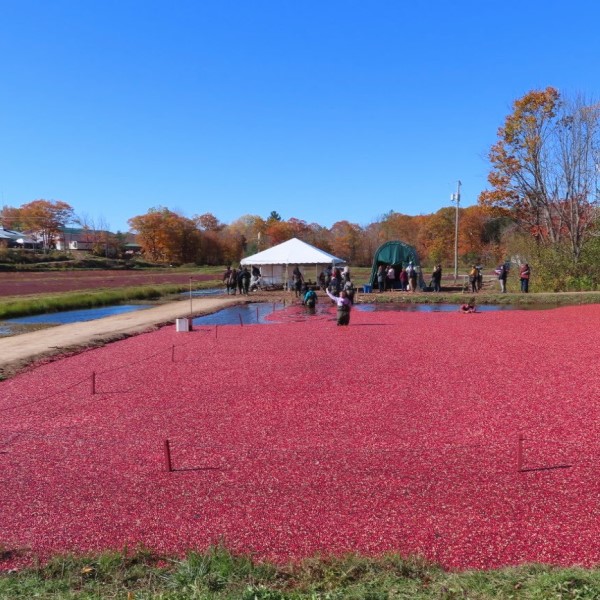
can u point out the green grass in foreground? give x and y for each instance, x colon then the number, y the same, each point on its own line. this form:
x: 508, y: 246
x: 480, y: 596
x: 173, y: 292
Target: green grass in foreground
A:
x: 220, y: 575
x: 44, y: 303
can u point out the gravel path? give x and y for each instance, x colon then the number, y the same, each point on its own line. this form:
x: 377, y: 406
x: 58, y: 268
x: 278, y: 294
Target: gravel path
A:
x: 19, y: 351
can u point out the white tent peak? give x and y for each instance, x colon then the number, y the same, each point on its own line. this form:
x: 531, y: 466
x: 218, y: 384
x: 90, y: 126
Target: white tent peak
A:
x: 275, y: 262
x: 292, y: 252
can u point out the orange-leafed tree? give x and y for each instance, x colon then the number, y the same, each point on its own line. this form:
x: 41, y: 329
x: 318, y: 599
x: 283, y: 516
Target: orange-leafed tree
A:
x: 396, y: 226
x: 471, y: 233
x: 544, y: 167
x: 345, y: 238
x: 436, y: 236
x: 10, y: 217
x: 318, y: 236
x: 249, y: 231
x: 45, y: 218
x: 298, y: 228
x: 208, y: 222
x: 278, y: 231
x: 166, y: 236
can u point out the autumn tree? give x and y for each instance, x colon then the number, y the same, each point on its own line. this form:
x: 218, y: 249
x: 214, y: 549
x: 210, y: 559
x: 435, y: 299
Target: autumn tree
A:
x: 95, y: 235
x: 318, y: 236
x: 278, y: 231
x: 345, y: 238
x: 45, y: 218
x: 436, y: 236
x: 298, y: 228
x: 471, y: 233
x: 208, y: 222
x: 166, y: 236
x: 545, y: 168
x: 396, y: 226
x: 10, y: 217
x: 247, y: 234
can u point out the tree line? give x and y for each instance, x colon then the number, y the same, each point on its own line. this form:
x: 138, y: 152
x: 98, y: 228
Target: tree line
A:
x: 166, y: 236
x: 541, y: 207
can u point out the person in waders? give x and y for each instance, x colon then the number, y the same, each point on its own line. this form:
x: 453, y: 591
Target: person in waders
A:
x: 310, y: 301
x: 343, y: 307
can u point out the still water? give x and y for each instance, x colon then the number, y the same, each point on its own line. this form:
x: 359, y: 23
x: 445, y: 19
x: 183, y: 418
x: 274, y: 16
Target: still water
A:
x: 263, y: 313
x: 77, y: 316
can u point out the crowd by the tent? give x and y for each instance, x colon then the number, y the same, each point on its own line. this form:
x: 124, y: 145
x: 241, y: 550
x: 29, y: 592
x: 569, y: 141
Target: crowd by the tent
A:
x: 335, y: 282
x: 404, y: 278
x: 242, y: 280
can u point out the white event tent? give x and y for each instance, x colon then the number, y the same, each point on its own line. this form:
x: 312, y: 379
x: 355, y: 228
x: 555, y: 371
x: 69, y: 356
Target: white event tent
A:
x: 276, y: 263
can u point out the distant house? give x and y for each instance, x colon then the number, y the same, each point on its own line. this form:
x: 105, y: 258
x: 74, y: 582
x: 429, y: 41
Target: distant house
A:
x: 79, y: 239
x: 132, y: 248
x: 16, y: 239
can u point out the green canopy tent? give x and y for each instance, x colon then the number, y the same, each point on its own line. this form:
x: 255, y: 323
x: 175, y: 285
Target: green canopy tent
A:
x: 396, y: 254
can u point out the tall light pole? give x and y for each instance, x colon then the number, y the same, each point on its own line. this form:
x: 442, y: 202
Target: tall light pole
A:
x: 456, y: 198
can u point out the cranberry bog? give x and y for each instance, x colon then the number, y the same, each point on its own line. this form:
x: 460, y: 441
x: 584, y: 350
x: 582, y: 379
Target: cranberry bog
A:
x: 21, y: 283
x: 471, y: 440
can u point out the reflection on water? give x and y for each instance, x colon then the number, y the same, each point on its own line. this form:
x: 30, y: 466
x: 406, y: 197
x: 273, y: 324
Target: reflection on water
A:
x: 248, y: 314
x: 75, y: 316
x: 261, y: 313
x: 265, y: 314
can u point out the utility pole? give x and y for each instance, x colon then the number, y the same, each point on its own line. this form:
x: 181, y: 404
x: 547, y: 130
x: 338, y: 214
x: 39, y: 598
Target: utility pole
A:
x: 456, y: 198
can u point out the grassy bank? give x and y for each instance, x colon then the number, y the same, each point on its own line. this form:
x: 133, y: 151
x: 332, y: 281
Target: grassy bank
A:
x: 12, y: 307
x: 220, y: 575
x: 458, y: 297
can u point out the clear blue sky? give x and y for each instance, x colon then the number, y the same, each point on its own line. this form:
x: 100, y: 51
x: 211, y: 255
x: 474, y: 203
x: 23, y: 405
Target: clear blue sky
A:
x: 321, y: 110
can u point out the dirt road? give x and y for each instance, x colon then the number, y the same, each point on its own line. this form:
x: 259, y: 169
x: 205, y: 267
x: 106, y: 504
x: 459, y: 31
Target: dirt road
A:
x: 19, y: 351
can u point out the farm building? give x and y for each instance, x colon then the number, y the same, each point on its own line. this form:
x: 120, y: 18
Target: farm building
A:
x: 16, y: 239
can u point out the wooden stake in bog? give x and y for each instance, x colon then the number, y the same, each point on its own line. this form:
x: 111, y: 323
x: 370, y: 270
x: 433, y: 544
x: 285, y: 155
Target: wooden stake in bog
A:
x: 520, y: 453
x: 168, y: 456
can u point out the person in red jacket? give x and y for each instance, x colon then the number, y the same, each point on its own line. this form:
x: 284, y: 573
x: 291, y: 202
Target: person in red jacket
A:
x: 524, y: 273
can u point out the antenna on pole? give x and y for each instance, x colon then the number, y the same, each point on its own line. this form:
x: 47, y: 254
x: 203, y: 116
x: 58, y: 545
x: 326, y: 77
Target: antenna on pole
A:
x: 456, y: 198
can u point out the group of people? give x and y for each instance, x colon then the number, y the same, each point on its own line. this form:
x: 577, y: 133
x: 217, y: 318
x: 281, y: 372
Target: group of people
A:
x: 337, y: 285
x: 524, y: 275
x: 242, y: 280
x: 405, y: 279
x: 475, y: 278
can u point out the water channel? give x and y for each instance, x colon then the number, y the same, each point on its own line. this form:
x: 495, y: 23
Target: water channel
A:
x: 263, y: 313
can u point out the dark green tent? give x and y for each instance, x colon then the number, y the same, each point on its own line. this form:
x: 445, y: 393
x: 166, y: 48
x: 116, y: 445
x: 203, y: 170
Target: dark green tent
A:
x: 398, y: 255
